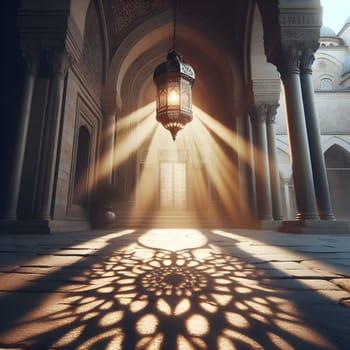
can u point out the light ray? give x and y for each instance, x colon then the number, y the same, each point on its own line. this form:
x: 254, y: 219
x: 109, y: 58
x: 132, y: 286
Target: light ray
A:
x: 230, y: 138
x: 211, y: 149
x: 146, y: 187
x: 129, y: 142
x: 131, y: 131
x: 221, y: 167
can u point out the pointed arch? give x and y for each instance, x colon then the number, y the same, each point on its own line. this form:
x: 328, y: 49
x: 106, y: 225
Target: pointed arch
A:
x: 343, y: 142
x: 337, y: 161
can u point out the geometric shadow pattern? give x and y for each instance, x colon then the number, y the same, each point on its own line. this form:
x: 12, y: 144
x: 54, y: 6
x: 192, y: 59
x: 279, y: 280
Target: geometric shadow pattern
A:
x: 141, y: 297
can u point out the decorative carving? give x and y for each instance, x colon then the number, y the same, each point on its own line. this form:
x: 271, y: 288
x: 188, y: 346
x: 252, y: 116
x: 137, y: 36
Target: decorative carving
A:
x: 299, y: 34
x: 289, y: 60
x: 59, y: 60
x: 298, y: 28
x: 125, y: 12
x: 306, y: 60
x: 264, y: 112
x: 92, y: 57
x: 259, y: 113
x: 300, y: 20
x: 31, y: 59
x: 271, y: 112
x: 123, y: 15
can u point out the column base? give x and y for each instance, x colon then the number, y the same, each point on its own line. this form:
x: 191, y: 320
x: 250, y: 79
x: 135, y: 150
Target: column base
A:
x: 315, y: 226
x: 329, y: 217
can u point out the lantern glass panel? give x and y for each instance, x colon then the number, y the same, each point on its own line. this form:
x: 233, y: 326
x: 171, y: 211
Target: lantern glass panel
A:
x: 186, y: 95
x: 173, y: 97
x: 162, y: 98
x: 173, y: 94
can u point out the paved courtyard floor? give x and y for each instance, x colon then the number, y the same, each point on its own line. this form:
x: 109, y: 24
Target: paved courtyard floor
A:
x: 175, y: 289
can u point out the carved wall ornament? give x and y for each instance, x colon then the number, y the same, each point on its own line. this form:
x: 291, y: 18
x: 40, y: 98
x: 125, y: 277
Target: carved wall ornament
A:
x: 123, y: 15
x: 300, y: 34
x: 92, y: 58
x: 300, y: 20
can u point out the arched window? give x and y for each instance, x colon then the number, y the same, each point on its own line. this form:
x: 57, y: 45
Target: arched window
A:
x: 338, y: 169
x: 326, y: 84
x: 80, y: 193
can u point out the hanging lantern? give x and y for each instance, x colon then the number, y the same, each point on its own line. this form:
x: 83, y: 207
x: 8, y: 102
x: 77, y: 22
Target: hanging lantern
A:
x: 174, y: 80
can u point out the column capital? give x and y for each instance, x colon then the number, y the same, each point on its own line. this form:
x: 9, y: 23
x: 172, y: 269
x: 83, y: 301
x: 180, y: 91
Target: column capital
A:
x: 59, y: 61
x: 289, y: 59
x: 49, y: 24
x: 31, y: 59
x: 306, y: 60
x: 271, y: 112
x: 289, y: 24
x: 259, y: 113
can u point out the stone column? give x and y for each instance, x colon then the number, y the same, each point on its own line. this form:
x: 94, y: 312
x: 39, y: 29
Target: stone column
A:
x: 262, y: 174
x: 287, y: 199
x: 251, y: 190
x: 288, y: 66
x: 59, y: 61
x: 13, y: 188
x: 108, y: 146
x: 272, y: 151
x: 323, y: 198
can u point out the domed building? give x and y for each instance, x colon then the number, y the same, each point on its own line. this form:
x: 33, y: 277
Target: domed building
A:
x: 327, y: 32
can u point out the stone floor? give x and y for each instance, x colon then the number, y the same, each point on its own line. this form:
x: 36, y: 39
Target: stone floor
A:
x: 175, y: 289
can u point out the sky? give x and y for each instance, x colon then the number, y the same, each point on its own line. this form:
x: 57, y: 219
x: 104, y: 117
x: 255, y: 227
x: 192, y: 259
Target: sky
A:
x: 335, y: 12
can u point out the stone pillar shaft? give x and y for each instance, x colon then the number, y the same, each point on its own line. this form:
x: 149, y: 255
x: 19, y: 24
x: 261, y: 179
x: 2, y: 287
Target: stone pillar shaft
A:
x: 287, y: 198
x: 272, y: 151
x: 323, y: 198
x: 21, y: 138
x: 301, y: 162
x: 59, y: 61
x: 262, y: 174
x: 109, y: 138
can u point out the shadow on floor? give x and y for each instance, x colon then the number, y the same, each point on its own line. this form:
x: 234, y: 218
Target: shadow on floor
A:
x: 161, y: 289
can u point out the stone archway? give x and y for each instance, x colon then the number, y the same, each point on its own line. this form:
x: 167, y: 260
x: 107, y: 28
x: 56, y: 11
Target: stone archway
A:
x: 217, y: 95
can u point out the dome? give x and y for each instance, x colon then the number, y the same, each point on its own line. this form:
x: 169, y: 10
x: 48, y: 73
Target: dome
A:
x: 326, y: 31
x: 346, y: 65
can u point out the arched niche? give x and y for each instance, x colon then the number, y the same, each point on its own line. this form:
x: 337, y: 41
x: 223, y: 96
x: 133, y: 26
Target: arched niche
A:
x: 81, y: 174
x: 338, y: 168
x: 218, y: 90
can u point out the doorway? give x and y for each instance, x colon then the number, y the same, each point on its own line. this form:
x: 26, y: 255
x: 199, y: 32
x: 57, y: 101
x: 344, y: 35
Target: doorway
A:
x: 173, y: 185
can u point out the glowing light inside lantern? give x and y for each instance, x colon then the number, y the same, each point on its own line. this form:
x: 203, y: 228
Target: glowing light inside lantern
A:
x: 173, y: 98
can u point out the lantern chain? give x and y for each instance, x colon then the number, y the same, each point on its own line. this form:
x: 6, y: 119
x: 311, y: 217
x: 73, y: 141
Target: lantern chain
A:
x: 175, y: 5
